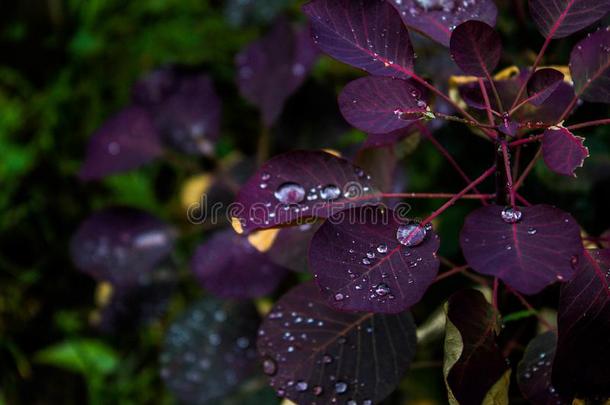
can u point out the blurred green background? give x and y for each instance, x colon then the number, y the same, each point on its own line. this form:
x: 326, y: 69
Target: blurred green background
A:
x: 65, y: 67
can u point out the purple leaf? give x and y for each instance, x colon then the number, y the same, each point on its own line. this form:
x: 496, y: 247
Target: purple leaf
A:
x: 534, y: 372
x: 581, y: 362
x: 560, y: 18
x: 590, y: 67
x: 291, y: 246
x: 476, y: 48
x: 542, y: 84
x: 367, y: 34
x: 273, y: 67
x: 228, y: 266
x: 314, y: 354
x: 209, y: 350
x: 528, y: 247
x: 473, y: 361
x: 563, y: 151
x: 120, y: 245
x: 381, y: 104
x: 301, y: 184
x: 124, y: 142
x: 189, y: 118
x: 437, y: 18
x: 360, y: 265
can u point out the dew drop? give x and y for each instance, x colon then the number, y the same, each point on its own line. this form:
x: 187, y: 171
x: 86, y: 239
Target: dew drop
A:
x: 370, y: 255
x: 382, y: 289
x: 511, y: 215
x: 269, y: 367
x: 366, y: 261
x: 531, y: 231
x: 411, y: 234
x: 301, y: 386
x: 339, y: 297
x: 340, y: 387
x: 330, y: 192
x: 327, y: 359
x: 290, y: 193
x: 265, y: 176
x: 382, y: 248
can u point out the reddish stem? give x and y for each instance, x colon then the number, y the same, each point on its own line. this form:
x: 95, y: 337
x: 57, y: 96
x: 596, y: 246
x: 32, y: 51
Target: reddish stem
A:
x: 451, y: 272
x: 605, y: 121
x: 447, y: 156
x: 459, y: 195
x: 490, y: 117
x: 531, y: 308
x: 523, y: 141
x: 522, y: 200
x: 547, y: 41
x: 509, y: 177
x: 527, y: 170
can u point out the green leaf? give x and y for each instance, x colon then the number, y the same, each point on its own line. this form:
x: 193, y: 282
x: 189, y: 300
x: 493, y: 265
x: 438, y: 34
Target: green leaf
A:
x: 85, y: 356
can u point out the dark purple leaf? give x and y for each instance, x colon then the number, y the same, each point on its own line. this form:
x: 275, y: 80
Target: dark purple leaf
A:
x: 438, y: 18
x: 367, y: 34
x: 508, y: 126
x: 133, y: 306
x: 581, y: 362
x: 360, y: 265
x: 124, y: 142
x: 209, y: 350
x: 273, y: 67
x: 528, y: 247
x: 189, y: 118
x: 476, y: 48
x: 590, y: 66
x: 297, y: 185
x: 381, y: 104
x: 229, y: 266
x: 120, y: 245
x: 291, y: 246
x: 314, y: 354
x: 534, y: 372
x: 542, y: 84
x: 550, y: 111
x: 560, y: 18
x: 563, y: 151
x: 473, y: 361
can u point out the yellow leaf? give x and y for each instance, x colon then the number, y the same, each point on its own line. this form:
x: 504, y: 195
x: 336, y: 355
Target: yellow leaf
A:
x: 263, y: 240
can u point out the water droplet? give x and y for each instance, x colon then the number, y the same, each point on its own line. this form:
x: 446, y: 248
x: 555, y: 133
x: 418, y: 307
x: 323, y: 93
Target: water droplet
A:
x: 317, y: 390
x: 382, y: 289
x: 269, y: 367
x: 366, y: 261
x: 339, y: 297
x: 370, y: 255
x: 327, y: 359
x: 511, y: 215
x: 301, y: 386
x: 290, y: 193
x: 382, y: 248
x: 410, y: 234
x: 265, y: 176
x: 531, y: 231
x: 340, y: 387
x: 330, y: 192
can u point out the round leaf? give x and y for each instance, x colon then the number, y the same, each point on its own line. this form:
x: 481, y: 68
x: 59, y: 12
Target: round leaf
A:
x: 542, y: 84
x: 228, y: 266
x: 476, y: 48
x: 381, y: 104
x: 437, y: 19
x: 529, y: 254
x: 560, y: 18
x: 209, y: 350
x: 367, y: 34
x: 120, y: 245
x: 314, y: 354
x: 563, y: 151
x: 359, y: 264
x: 298, y: 185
